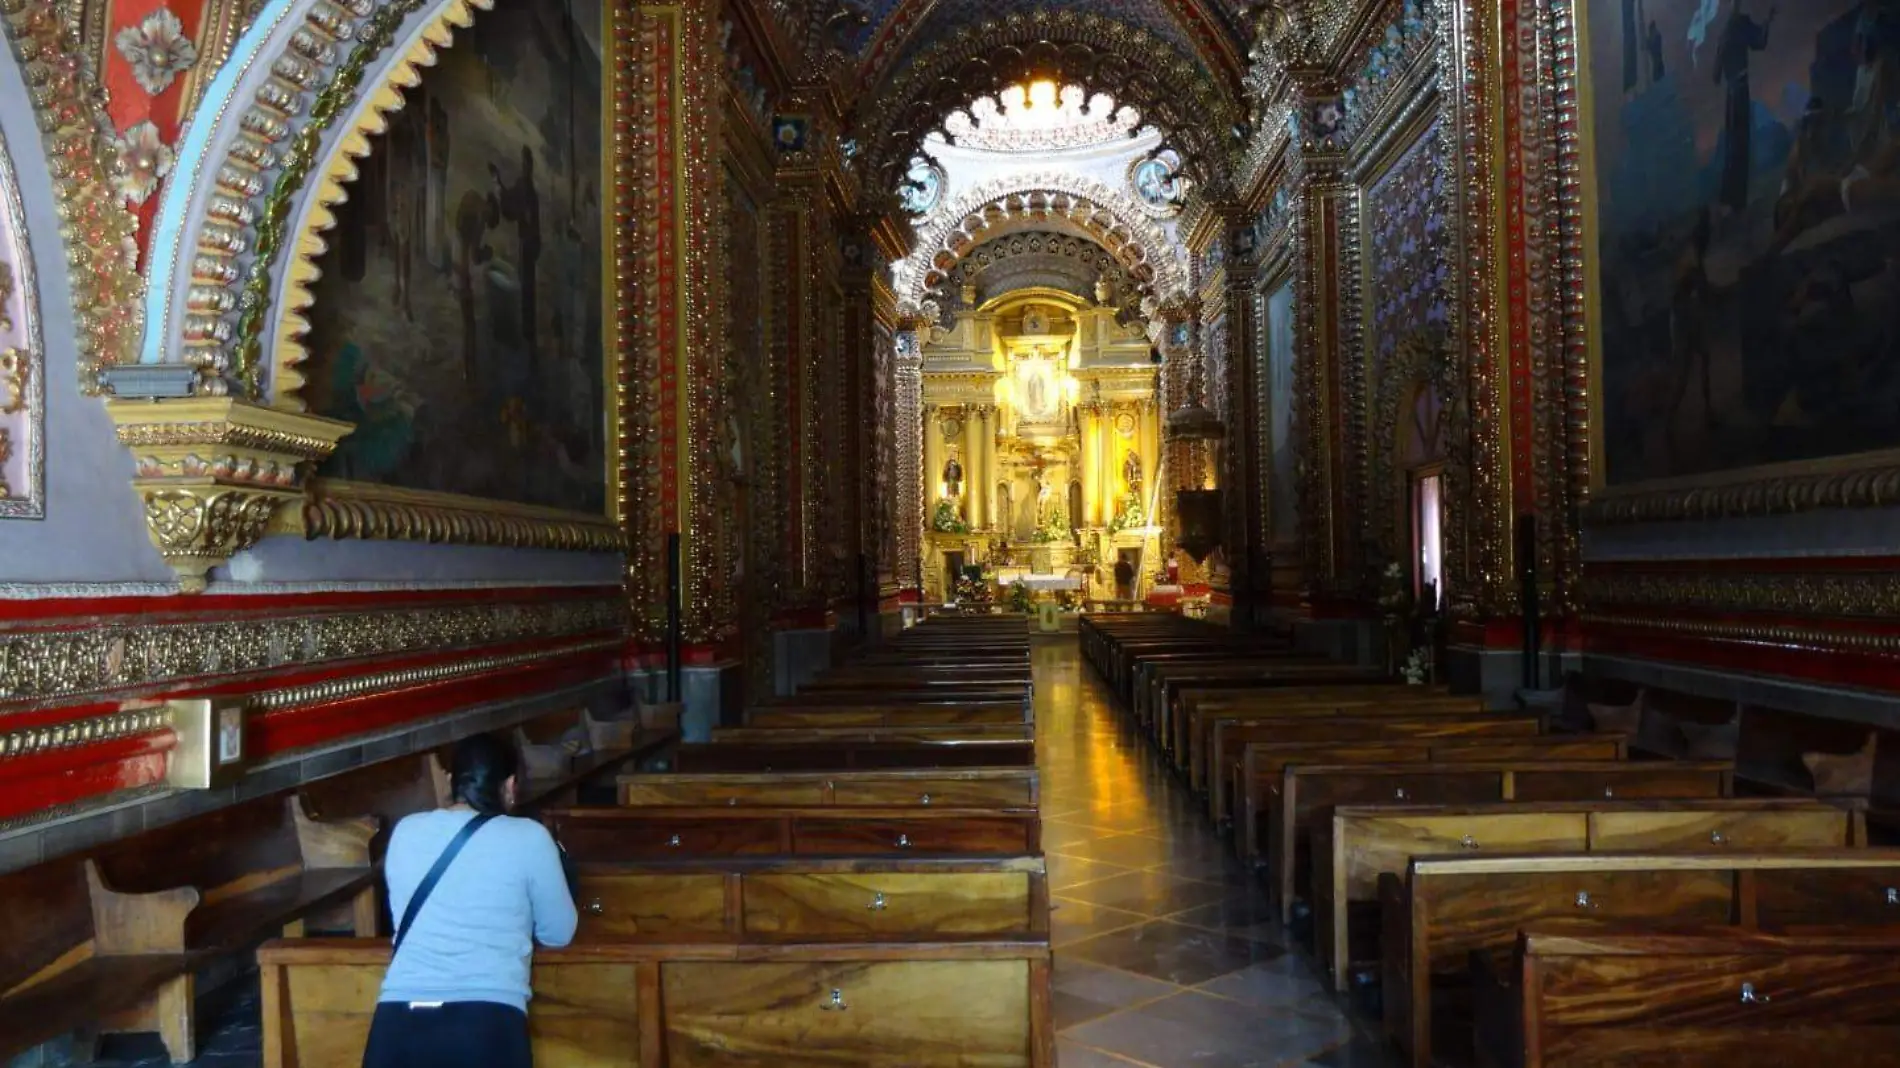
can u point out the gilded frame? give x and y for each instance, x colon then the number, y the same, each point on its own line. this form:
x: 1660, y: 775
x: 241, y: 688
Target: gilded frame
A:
x: 1858, y: 480
x: 342, y: 508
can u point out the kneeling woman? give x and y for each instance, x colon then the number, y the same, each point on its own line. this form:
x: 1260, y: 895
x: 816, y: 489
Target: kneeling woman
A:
x: 473, y: 889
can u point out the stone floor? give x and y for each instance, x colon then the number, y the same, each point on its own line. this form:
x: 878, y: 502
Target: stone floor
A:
x: 1165, y: 954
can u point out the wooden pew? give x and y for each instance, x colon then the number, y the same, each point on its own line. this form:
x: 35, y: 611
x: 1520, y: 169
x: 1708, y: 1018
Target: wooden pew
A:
x: 1354, y: 845
x: 1695, y: 999
x: 886, y: 715
x: 957, y: 788
x: 1321, y: 725
x: 1550, y: 767
x: 842, y: 756
x: 1446, y: 908
x: 794, y: 898
x: 1201, y: 746
x: 630, y: 833
x: 1017, y: 731
x: 110, y: 940
x: 707, y: 1004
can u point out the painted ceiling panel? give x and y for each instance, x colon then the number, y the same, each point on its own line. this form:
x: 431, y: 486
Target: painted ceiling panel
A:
x: 907, y: 26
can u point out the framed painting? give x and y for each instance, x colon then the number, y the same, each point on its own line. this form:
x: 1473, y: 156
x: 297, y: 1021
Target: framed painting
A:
x: 1741, y: 168
x: 460, y: 313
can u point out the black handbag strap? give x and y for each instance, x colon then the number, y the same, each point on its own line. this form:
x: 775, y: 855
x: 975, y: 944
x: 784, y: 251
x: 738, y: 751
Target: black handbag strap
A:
x: 427, y: 886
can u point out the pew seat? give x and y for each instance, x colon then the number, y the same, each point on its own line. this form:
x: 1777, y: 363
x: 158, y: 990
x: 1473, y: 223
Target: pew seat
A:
x: 1445, y: 908
x: 707, y: 1004
x: 1695, y: 999
x: 960, y: 732
x: 627, y: 833
x: 1353, y: 845
x: 892, y: 715
x: 954, y: 788
x: 853, y: 755
x: 1464, y: 770
x: 792, y: 898
x: 111, y: 940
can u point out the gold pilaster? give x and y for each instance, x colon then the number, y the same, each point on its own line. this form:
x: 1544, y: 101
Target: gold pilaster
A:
x: 212, y: 471
x: 933, y: 463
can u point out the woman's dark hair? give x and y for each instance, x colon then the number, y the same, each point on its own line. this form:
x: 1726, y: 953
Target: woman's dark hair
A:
x: 482, y: 763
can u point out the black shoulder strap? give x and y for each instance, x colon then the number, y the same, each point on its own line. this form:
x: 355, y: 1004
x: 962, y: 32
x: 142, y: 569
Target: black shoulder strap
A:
x: 427, y: 886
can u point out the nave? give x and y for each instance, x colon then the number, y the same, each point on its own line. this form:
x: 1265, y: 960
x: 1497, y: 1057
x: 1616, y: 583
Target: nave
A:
x: 1166, y: 952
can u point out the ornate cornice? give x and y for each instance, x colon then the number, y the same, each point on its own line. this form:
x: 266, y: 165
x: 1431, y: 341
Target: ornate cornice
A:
x: 1868, y: 481
x: 349, y: 510
x: 212, y: 471
x: 42, y: 665
x: 1869, y: 593
x: 22, y: 359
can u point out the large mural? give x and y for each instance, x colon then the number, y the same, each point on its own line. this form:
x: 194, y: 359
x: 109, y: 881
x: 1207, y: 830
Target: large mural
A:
x: 1748, y: 181
x: 458, y: 319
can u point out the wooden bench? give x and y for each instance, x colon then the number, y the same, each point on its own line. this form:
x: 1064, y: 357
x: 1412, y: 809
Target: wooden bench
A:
x: 1445, y: 908
x: 891, y: 715
x: 794, y: 898
x: 710, y: 1003
x: 844, y: 756
x: 1695, y: 999
x: 1230, y: 748
x: 1159, y: 710
x: 111, y: 940
x: 1354, y: 845
x: 1447, y: 770
x: 956, y: 732
x: 630, y: 833
x: 1201, y: 744
x: 958, y: 788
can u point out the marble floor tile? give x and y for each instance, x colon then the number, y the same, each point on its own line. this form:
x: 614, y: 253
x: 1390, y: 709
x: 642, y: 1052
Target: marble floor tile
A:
x: 1066, y: 871
x: 1072, y: 921
x: 1084, y: 991
x: 1151, y: 893
x: 1173, y: 953
x: 1196, y: 1030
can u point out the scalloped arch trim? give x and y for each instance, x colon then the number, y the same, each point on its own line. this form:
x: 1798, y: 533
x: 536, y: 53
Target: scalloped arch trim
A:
x: 1112, y: 219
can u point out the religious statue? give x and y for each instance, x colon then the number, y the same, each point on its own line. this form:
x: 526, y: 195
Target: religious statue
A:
x: 953, y: 476
x: 1131, y: 470
x: 1045, y: 501
x: 1102, y: 291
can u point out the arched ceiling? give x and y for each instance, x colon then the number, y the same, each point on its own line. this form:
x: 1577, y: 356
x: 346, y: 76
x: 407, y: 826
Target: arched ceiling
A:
x: 1212, y: 31
x: 1098, y: 47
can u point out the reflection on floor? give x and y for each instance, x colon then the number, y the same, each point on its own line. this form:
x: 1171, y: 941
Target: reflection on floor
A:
x: 1165, y: 952
x: 1165, y: 955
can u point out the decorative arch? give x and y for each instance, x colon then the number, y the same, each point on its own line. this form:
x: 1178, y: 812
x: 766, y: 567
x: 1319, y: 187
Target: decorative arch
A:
x: 1197, y: 115
x: 1109, y: 217
x: 291, y: 97
x: 99, y: 231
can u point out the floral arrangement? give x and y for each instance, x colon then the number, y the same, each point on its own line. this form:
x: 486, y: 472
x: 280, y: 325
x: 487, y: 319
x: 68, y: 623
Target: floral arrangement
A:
x: 1414, y: 669
x: 972, y: 592
x: 1129, y: 516
x: 1020, y: 599
x: 1054, y: 529
x: 946, y: 520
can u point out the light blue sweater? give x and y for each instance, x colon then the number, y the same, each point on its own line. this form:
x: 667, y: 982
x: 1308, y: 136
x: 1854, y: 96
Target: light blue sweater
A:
x: 475, y: 936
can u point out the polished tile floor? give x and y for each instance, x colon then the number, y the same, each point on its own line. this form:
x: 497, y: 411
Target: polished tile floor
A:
x: 1165, y: 953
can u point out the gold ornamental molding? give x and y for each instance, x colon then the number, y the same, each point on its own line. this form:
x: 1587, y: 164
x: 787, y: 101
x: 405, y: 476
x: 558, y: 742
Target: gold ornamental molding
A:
x: 55, y: 665
x: 89, y: 731
x: 212, y: 471
x: 1811, y: 637
x: 1870, y: 593
x: 343, y: 509
x: 1871, y: 480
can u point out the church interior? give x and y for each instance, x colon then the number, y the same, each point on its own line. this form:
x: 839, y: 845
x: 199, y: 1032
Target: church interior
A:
x: 1000, y: 533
